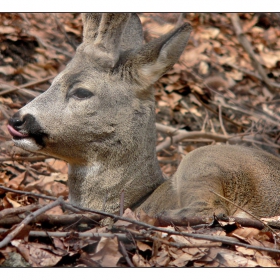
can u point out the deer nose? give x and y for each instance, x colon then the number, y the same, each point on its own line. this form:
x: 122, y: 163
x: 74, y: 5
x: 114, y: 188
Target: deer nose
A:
x: 16, y: 121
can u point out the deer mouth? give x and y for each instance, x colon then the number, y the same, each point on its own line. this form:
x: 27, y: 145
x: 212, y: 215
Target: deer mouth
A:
x: 32, y: 142
x: 16, y: 134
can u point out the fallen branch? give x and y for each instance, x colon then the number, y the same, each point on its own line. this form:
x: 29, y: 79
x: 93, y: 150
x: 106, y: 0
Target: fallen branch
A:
x: 25, y: 92
x: 155, y: 228
x: 221, y: 120
x: 95, y: 235
x: 161, y: 221
x: 124, y: 253
x: 29, y: 193
x: 27, y: 220
x: 54, y: 220
x: 30, y: 159
x: 30, y: 84
x: 177, y: 135
x: 144, y: 236
x: 19, y: 210
x: 196, y: 222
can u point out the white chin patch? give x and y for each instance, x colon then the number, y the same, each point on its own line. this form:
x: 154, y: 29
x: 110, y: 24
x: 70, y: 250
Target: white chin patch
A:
x: 28, y: 144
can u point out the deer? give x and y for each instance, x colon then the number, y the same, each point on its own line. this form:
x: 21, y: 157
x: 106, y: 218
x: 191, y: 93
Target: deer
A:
x: 98, y: 115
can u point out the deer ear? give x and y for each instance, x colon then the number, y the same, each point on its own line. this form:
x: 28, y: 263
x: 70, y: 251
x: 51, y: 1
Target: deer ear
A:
x: 158, y: 56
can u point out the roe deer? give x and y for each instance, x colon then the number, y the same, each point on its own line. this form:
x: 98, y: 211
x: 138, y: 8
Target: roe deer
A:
x: 99, y: 116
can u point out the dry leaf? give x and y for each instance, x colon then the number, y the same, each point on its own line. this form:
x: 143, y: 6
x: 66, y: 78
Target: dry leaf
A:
x: 143, y: 246
x: 265, y: 261
x: 162, y: 259
x: 7, y: 29
x: 182, y: 260
x: 107, y: 252
x: 17, y: 181
x: 245, y: 233
x: 7, y: 70
x: 139, y: 261
x: 229, y: 258
x: 38, y: 255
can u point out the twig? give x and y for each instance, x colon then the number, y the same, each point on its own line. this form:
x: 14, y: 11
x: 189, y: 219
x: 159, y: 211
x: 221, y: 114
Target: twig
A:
x: 30, y: 84
x: 172, y: 232
x: 27, y: 93
x: 186, y: 106
x: 249, y: 213
x: 19, y: 210
x: 246, y: 71
x: 254, y: 114
x: 29, y: 193
x: 248, y: 48
x: 30, y: 159
x: 221, y: 120
x: 178, y: 245
x: 62, y: 29
x: 223, y: 239
x: 168, y: 231
x: 180, y: 135
x: 124, y: 252
x: 95, y: 235
x: 197, y: 221
x: 28, y: 219
x: 48, y: 46
x: 54, y: 220
x: 213, y: 111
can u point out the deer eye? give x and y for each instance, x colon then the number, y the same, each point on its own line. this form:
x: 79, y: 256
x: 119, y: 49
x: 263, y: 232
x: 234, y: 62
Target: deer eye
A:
x: 82, y: 93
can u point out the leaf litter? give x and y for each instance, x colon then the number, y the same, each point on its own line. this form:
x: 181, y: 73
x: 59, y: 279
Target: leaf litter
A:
x: 213, y: 71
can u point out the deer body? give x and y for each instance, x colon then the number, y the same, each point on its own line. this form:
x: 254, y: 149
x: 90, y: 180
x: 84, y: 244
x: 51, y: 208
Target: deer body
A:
x: 99, y: 116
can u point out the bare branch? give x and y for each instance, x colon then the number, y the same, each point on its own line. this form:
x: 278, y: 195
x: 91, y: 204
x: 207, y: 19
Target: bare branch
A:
x: 124, y: 252
x: 30, y: 159
x: 30, y: 84
x: 28, y: 193
x: 19, y: 210
x: 27, y: 220
x: 178, y: 135
x: 142, y: 224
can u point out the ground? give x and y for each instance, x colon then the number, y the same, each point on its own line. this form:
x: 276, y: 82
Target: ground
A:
x: 227, y: 83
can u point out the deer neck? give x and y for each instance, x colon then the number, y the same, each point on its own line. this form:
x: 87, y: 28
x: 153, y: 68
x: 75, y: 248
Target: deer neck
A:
x: 99, y: 184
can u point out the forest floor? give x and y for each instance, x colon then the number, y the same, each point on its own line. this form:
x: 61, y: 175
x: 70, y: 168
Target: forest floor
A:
x: 226, y: 88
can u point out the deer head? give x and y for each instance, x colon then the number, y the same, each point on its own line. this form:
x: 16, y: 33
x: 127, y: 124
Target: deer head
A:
x: 98, y: 114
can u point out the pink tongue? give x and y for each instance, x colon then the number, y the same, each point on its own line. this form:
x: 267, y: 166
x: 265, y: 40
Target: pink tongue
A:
x: 16, y: 133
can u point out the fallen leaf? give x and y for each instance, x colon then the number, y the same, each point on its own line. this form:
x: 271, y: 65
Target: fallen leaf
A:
x: 6, y: 29
x: 107, y: 252
x: 245, y: 233
x: 229, y: 258
x: 265, y: 261
x: 143, y: 246
x: 7, y: 70
x: 139, y: 261
x: 38, y: 255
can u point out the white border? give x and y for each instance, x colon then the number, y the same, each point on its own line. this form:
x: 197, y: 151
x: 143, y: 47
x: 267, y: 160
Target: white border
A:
x: 139, y: 6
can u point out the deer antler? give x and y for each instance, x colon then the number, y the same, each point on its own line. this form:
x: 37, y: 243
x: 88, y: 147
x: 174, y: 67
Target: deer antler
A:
x: 106, y: 33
